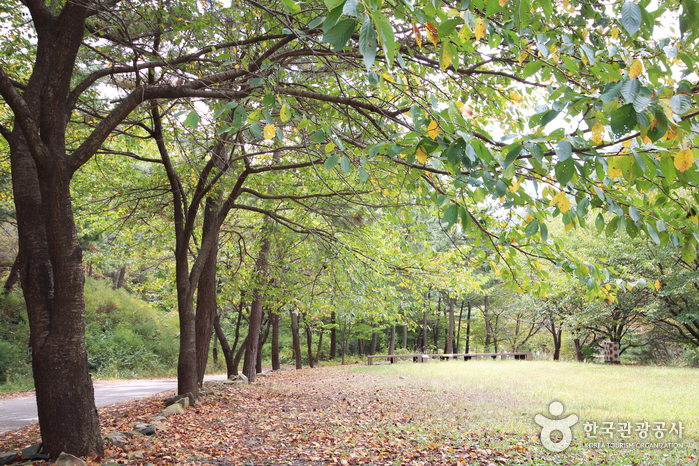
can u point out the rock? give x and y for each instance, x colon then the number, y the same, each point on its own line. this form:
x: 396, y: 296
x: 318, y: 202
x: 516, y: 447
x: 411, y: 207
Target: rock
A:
x: 209, y: 385
x: 64, y: 459
x: 228, y: 382
x: 243, y: 377
x: 192, y: 400
x: 133, y: 433
x: 262, y: 374
x: 159, y: 419
x: 159, y: 425
x: 148, y: 429
x: 7, y: 458
x: 172, y: 409
x: 118, y: 439
x: 184, y: 402
x: 32, y: 453
x: 173, y: 399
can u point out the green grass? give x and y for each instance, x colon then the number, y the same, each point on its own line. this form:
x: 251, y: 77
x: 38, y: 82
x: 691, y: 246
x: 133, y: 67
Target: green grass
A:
x: 504, y: 396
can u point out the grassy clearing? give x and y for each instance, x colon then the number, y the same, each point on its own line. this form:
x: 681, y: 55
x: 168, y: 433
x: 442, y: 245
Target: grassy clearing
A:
x: 504, y: 396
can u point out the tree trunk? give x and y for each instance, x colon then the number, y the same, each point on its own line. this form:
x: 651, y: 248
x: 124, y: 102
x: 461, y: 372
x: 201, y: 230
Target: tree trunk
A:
x: 295, y: 339
x: 579, y: 356
x: 309, y: 341
x: 405, y: 332
x: 392, y: 346
x: 374, y: 340
x: 50, y: 257
x: 206, y: 294
x: 468, y: 328
x: 275, y: 342
x: 227, y: 351
x: 12, y: 277
x: 119, y: 282
x: 557, y: 344
x: 488, y: 329
x: 256, y: 306
x: 360, y: 346
x: 458, y: 328
x: 320, y: 346
x: 239, y: 354
x: 436, y: 325
x: 450, y: 330
x: 333, y: 336
x: 263, y: 340
x: 424, y: 332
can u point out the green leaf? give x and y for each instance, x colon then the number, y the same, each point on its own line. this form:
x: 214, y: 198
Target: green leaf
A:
x: 634, y: 214
x: 386, y: 37
x: 451, y: 215
x: 549, y: 117
x: 367, y: 43
x: 500, y: 188
x: 631, y: 17
x: 332, y: 4
x: 689, y: 251
x: 531, y: 68
x: 512, y: 155
x: 564, y: 150
x: 256, y: 130
x: 680, y: 103
x: 340, y: 34
x: 653, y: 234
x: 331, y: 161
x: 689, y: 19
x: 332, y: 19
x: 363, y: 175
x: 350, y: 8
x: 544, y: 232
x: 599, y: 223
x: 292, y: 6
x: 565, y: 171
x: 192, y: 120
x: 611, y: 92
x: 623, y: 120
x: 313, y: 24
x: 345, y: 164
x: 318, y: 136
x: 611, y: 227
x: 629, y: 89
x: 532, y: 228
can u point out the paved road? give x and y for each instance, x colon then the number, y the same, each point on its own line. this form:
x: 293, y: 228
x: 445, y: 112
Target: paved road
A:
x: 17, y: 413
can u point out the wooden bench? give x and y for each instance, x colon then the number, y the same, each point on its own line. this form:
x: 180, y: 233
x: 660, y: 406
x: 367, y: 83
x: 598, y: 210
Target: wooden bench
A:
x: 467, y: 356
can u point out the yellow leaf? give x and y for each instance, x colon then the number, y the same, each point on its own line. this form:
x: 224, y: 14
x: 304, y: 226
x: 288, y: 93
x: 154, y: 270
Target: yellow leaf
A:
x: 657, y: 285
x: 421, y: 155
x: 329, y: 147
x: 388, y: 77
x: 598, y: 133
x: 502, y: 3
x: 684, y: 160
x: 636, y: 69
x: 432, y: 32
x: 538, y: 265
x: 528, y: 218
x: 480, y: 28
x: 515, y: 97
x: 614, y: 167
x: 465, y: 33
x: 522, y: 56
x: 418, y: 35
x: 515, y: 186
x: 445, y: 59
x: 564, y: 205
x: 386, y: 192
x: 615, y: 33
x: 671, y: 133
x: 628, y: 142
x: 433, y: 129
x: 285, y: 113
x: 269, y: 131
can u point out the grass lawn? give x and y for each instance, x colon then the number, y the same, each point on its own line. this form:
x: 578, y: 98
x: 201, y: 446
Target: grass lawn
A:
x: 504, y: 396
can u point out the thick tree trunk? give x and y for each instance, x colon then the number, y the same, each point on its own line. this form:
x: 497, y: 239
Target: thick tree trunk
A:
x: 206, y: 294
x: 333, y: 336
x: 557, y: 344
x: 50, y: 258
x: 295, y: 339
x: 256, y: 306
x: 239, y: 354
x: 275, y: 342
x: 227, y: 351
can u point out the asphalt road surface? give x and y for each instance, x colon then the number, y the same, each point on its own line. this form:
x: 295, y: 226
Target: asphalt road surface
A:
x: 19, y: 412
